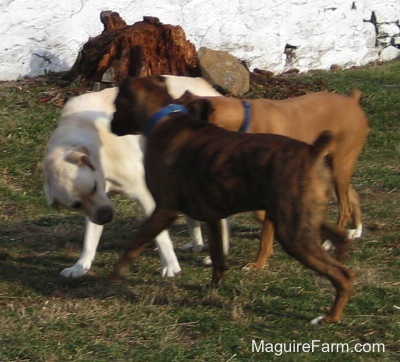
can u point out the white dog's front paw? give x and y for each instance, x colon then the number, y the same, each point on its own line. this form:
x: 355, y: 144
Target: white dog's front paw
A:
x: 171, y: 271
x: 76, y: 271
x: 187, y: 247
x: 197, y: 248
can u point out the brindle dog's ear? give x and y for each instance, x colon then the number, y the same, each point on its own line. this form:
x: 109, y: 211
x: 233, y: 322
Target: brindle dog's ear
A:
x: 201, y: 108
x: 158, y: 78
x: 185, y: 98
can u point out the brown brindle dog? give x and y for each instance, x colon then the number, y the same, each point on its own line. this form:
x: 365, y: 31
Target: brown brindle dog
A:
x: 210, y: 173
x: 301, y: 118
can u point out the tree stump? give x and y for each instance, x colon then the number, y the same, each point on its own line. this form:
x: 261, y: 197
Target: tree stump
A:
x: 144, y: 48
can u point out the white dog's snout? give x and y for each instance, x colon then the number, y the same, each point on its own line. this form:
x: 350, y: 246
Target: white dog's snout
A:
x: 104, y: 215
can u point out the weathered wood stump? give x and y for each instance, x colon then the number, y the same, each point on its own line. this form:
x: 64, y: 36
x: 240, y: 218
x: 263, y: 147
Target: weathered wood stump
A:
x: 144, y: 48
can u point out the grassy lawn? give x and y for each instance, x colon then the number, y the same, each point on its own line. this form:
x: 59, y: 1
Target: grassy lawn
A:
x: 146, y: 318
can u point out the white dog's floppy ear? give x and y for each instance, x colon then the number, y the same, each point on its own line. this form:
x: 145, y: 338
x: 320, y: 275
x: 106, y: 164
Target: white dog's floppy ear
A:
x: 49, y: 197
x: 47, y: 193
x: 81, y: 156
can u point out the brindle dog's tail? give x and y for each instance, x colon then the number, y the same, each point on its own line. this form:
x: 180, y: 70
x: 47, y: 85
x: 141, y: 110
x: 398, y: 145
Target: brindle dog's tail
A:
x: 321, y: 146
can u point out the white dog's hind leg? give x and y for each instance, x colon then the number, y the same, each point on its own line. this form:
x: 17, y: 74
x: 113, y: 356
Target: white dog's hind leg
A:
x: 91, y: 241
x: 169, y: 262
x: 225, y: 227
x: 196, y: 239
x: 225, y: 235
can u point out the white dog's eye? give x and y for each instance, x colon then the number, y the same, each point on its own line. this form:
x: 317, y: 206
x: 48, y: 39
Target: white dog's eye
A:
x: 76, y: 205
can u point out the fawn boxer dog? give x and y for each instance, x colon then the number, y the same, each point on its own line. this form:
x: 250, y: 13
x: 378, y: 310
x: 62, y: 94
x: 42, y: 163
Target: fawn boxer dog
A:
x: 85, y: 162
x: 209, y: 173
x: 301, y: 118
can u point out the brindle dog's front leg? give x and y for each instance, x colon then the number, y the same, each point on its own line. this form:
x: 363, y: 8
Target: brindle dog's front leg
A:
x: 216, y: 252
x: 159, y: 220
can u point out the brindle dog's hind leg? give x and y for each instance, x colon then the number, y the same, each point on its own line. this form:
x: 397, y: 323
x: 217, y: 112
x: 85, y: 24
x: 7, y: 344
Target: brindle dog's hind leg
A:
x: 159, y: 220
x: 314, y: 256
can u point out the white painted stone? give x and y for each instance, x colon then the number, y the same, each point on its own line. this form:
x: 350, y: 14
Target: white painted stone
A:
x: 46, y: 35
x: 368, y: 34
x: 390, y: 53
x: 386, y: 11
x: 388, y: 29
x: 384, y: 41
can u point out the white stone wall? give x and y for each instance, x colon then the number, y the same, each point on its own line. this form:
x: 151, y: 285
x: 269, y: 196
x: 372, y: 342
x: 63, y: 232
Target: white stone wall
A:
x: 39, y: 36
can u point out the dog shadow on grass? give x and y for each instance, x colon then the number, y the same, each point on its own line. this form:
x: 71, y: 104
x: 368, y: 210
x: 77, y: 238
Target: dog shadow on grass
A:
x: 33, y: 254
x: 37, y: 275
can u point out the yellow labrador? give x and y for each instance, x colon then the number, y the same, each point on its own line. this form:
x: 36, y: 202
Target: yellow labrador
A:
x: 85, y: 162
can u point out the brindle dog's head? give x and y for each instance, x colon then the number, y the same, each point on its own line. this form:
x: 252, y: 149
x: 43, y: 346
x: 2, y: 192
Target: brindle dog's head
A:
x: 137, y: 100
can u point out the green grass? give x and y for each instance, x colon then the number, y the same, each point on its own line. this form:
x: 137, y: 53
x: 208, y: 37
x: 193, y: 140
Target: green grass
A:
x: 46, y: 318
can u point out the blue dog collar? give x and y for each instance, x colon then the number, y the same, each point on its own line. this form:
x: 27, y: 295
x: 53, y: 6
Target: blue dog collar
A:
x: 167, y: 110
x: 247, y: 117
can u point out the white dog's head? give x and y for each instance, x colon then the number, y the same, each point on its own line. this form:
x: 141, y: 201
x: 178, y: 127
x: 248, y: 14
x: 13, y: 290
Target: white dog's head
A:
x: 73, y: 180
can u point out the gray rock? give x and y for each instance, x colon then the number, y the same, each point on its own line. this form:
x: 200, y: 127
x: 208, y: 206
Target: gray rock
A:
x: 108, y: 76
x: 223, y: 70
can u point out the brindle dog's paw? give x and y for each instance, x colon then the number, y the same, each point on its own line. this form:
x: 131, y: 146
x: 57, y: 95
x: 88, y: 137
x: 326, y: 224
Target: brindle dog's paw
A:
x: 318, y: 321
x: 324, y: 319
x: 115, y: 277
